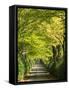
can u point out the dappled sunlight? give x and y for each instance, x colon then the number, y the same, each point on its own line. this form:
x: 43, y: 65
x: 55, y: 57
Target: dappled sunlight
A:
x: 40, y: 44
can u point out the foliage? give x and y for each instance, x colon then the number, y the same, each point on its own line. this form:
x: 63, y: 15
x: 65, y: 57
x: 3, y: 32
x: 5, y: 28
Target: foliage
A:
x: 38, y: 31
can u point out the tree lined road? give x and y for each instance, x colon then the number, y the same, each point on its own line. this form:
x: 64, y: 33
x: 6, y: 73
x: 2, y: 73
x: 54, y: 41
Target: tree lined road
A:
x: 41, y: 35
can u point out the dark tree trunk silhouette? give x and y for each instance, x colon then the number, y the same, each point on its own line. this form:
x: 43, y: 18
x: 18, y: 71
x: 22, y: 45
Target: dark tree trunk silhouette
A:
x: 54, y: 49
x: 58, y: 52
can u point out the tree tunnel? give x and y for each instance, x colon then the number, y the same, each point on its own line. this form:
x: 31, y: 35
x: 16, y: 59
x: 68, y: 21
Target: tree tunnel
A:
x: 40, y: 44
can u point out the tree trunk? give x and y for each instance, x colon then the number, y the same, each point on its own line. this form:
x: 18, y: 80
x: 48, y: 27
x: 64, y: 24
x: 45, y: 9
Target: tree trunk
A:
x: 58, y: 52
x: 54, y: 53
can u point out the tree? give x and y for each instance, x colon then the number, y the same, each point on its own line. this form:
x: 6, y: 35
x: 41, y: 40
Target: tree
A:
x: 40, y: 35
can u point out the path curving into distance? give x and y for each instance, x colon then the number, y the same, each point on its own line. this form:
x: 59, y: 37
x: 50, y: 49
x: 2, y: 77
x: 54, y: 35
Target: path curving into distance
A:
x: 39, y: 73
